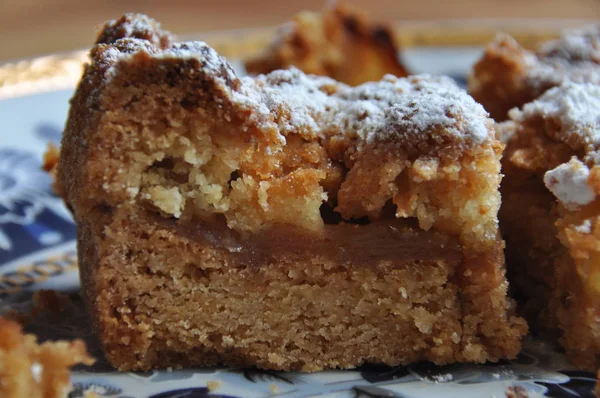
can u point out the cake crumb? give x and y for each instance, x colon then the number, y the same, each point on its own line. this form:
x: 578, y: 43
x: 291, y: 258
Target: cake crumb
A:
x: 213, y: 385
x: 274, y: 388
x: 442, y: 378
x: 50, y: 302
x: 91, y: 394
x: 51, y: 157
x: 403, y: 292
x: 29, y: 369
x: 516, y: 392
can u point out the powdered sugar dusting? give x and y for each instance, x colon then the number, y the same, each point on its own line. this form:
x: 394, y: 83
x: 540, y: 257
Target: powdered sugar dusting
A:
x: 568, y: 182
x: 442, y: 378
x: 434, y: 103
x: 574, y: 57
x: 585, y: 227
x: 300, y: 95
x: 575, y: 107
x: 390, y: 109
x: 418, y: 104
x: 290, y: 102
x: 570, y: 114
x: 212, y: 63
x: 575, y: 45
x: 551, y: 73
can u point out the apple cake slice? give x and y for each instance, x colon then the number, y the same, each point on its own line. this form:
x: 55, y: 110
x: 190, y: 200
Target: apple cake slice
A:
x: 550, y: 215
x: 284, y: 221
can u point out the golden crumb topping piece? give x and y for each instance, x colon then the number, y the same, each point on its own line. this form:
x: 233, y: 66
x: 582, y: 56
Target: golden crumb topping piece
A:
x: 137, y: 26
x: 29, y: 369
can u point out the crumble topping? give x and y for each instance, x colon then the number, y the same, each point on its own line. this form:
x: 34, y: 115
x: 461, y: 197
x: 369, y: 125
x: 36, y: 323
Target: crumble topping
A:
x: 392, y: 108
x: 575, y: 110
x: 291, y: 142
x: 574, y: 57
x: 134, y: 25
x: 568, y: 182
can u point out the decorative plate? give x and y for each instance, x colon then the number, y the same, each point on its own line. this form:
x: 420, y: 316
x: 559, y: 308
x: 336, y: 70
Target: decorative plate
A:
x: 37, y: 251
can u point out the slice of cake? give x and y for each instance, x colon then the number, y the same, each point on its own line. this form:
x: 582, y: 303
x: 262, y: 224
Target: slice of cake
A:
x: 550, y: 215
x: 32, y: 370
x: 509, y: 76
x: 284, y: 221
x: 342, y: 43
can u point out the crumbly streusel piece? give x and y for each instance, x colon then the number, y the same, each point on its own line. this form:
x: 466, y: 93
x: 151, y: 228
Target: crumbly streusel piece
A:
x: 32, y: 370
x: 550, y: 213
x: 138, y: 26
x: 284, y: 221
x: 341, y: 43
x: 509, y: 76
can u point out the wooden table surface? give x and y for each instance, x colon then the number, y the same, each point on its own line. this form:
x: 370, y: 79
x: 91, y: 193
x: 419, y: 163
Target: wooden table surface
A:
x: 35, y: 27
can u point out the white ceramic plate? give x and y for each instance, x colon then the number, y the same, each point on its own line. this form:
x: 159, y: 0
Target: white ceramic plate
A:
x: 37, y: 250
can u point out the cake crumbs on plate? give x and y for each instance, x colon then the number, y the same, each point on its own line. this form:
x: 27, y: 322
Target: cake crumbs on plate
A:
x: 29, y: 369
x: 213, y: 385
x: 274, y: 388
x: 48, y: 302
x: 517, y: 392
x: 442, y: 378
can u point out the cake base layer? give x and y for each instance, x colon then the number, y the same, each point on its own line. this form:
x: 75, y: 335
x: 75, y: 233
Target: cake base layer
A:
x: 162, y: 294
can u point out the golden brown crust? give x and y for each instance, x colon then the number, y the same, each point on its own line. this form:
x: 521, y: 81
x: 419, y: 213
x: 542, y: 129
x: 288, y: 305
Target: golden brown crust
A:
x: 509, y: 76
x: 188, y: 184
x: 31, y: 370
x: 341, y: 43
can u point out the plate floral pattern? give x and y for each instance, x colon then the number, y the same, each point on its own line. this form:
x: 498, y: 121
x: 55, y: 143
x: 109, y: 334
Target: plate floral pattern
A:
x: 37, y: 251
